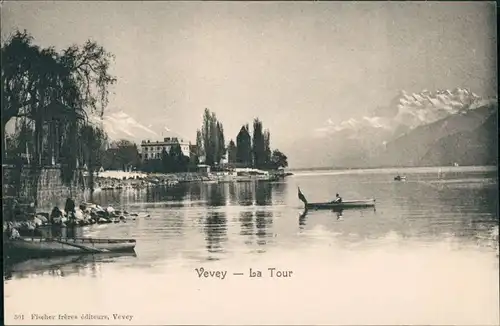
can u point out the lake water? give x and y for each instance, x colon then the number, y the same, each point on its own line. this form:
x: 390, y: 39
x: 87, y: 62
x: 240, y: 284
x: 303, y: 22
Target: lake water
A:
x: 428, y: 254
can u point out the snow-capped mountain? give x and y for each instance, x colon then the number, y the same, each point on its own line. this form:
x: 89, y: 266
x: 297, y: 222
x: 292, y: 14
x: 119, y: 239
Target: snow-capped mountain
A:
x: 407, y: 112
x: 120, y: 125
x: 359, y: 141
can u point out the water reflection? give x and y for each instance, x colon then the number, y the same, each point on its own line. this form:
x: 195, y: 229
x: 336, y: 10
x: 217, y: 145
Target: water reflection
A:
x: 85, y: 264
x: 245, y: 193
x: 246, y: 221
x: 302, y: 218
x: 338, y: 213
x: 164, y: 193
x: 216, y: 195
x: 263, y: 193
x: 215, y: 231
x: 263, y: 222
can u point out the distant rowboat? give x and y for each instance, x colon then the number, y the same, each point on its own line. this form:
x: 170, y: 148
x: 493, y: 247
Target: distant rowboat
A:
x: 345, y: 204
x: 38, y: 246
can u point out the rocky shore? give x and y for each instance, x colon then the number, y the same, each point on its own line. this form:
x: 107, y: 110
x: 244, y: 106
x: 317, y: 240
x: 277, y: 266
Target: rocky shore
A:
x: 27, y: 223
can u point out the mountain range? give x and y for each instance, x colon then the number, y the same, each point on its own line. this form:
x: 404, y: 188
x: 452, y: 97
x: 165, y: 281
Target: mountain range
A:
x: 120, y: 125
x: 443, y: 127
x: 427, y: 128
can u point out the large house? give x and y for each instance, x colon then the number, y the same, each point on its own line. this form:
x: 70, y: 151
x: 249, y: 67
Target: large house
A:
x: 153, y: 149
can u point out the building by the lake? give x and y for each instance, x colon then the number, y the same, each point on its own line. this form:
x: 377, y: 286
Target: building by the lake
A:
x: 150, y: 150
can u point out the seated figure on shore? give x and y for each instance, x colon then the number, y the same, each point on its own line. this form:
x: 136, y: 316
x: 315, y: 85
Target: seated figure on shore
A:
x: 56, y: 216
x: 14, y: 234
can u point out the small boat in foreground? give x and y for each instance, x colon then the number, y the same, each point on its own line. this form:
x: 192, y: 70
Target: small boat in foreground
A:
x: 38, y: 246
x: 399, y: 178
x: 345, y: 204
x: 56, y: 262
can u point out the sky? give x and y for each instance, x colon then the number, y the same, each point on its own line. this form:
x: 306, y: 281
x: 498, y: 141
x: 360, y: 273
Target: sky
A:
x: 294, y: 65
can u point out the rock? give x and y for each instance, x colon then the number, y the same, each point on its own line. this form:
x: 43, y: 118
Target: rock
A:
x: 42, y: 218
x: 37, y: 221
x: 79, y: 215
x: 45, y: 215
x: 110, y: 209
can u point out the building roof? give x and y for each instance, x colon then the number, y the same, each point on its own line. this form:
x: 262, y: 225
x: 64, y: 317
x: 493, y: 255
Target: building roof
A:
x: 165, y: 134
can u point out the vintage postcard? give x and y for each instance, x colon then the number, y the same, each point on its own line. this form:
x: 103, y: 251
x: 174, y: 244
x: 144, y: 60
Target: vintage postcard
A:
x: 249, y: 163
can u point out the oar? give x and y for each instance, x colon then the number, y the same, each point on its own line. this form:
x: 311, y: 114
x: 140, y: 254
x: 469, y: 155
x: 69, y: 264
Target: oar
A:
x: 302, y: 197
x: 86, y: 248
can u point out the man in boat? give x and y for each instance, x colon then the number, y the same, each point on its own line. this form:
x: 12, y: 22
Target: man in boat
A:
x: 337, y: 199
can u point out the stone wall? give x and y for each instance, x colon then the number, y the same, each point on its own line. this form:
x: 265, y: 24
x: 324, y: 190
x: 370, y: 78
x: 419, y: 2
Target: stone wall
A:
x: 51, y: 190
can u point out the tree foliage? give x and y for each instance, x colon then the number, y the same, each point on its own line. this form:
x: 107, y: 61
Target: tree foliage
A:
x: 52, y: 94
x: 258, y: 145
x: 121, y: 155
x: 232, y: 152
x: 244, y: 147
x: 278, y: 160
x: 267, y: 147
x: 172, y: 161
x: 210, y: 139
x: 93, y: 147
x: 256, y: 150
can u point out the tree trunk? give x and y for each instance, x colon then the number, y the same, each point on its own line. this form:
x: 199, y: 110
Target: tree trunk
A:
x: 4, y: 140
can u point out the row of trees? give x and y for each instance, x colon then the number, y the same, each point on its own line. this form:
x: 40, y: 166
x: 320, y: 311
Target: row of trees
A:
x: 124, y: 155
x: 249, y: 150
x: 210, y: 142
x: 49, y: 96
x: 255, y: 150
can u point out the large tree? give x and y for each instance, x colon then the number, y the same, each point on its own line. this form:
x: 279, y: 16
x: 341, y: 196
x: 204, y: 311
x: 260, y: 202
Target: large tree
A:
x: 221, y: 145
x: 93, y: 146
x: 52, y: 93
x: 258, y: 144
x: 267, y: 148
x: 199, y: 144
x: 122, y: 155
x: 211, y: 138
x: 244, y: 146
x: 278, y: 159
x: 232, y: 152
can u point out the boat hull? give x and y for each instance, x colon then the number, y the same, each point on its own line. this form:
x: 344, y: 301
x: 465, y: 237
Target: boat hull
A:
x: 36, y: 246
x: 342, y: 205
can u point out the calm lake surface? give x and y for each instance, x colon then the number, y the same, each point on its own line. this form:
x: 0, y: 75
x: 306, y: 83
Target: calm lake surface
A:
x: 428, y: 254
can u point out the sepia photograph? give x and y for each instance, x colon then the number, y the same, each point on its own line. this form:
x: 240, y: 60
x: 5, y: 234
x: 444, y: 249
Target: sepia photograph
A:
x: 250, y: 162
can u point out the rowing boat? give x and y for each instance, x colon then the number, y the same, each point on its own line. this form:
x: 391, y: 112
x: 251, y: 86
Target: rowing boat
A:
x: 75, y: 261
x: 343, y: 205
x: 39, y: 246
